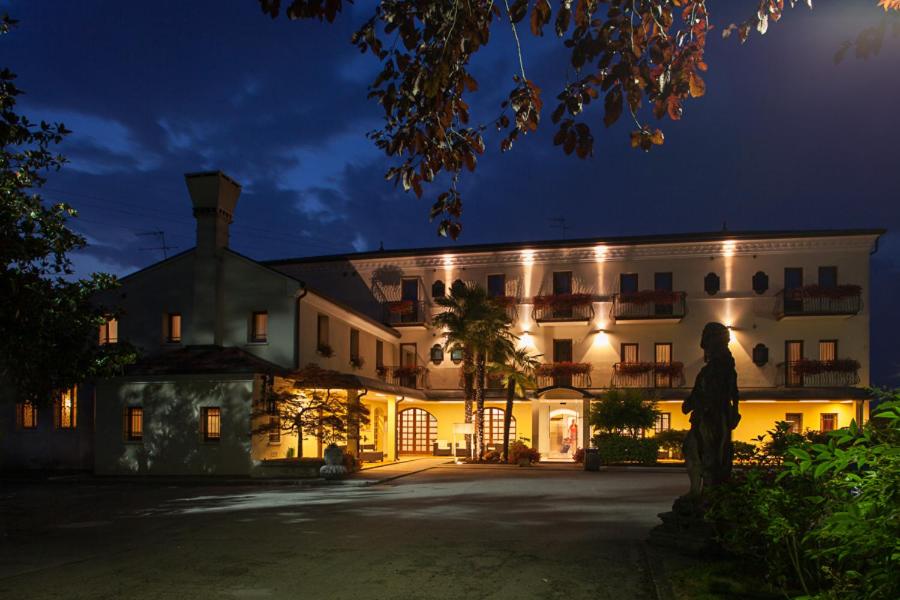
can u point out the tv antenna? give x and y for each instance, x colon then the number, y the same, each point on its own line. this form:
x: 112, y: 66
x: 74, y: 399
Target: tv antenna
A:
x: 160, y: 235
x: 559, y: 223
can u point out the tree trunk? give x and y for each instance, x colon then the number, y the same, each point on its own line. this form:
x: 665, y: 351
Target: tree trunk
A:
x: 299, y: 439
x: 469, y: 392
x: 507, y: 417
x: 479, y: 405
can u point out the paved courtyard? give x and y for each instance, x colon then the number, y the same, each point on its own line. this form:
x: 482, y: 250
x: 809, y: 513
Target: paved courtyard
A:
x: 448, y: 531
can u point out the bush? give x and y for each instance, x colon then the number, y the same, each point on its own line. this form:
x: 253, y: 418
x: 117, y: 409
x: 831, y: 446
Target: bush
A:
x: 520, y: 449
x: 825, y: 523
x: 623, y: 410
x: 671, y: 440
x: 745, y: 452
x: 614, y: 448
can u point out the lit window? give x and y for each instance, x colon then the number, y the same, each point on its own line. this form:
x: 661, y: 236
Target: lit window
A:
x: 259, y: 327
x: 66, y: 406
x: 210, y: 423
x: 796, y: 422
x: 829, y: 421
x: 493, y: 425
x: 274, y: 430
x: 134, y: 423
x: 173, y: 328
x: 109, y: 331
x: 663, y: 422
x: 26, y: 415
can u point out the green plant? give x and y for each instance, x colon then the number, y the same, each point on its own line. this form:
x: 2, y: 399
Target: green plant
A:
x: 290, y: 452
x: 671, y: 440
x: 825, y: 521
x: 745, y: 452
x: 578, y: 455
x: 615, y: 448
x: 623, y: 411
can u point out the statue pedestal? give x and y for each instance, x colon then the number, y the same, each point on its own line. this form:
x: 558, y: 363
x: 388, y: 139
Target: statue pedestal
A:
x: 684, y: 529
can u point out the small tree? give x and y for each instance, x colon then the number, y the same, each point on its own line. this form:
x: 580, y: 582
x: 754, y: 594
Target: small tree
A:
x: 623, y: 411
x: 312, y: 406
x: 518, y: 373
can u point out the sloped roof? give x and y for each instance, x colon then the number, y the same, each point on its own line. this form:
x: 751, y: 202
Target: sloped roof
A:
x: 203, y: 359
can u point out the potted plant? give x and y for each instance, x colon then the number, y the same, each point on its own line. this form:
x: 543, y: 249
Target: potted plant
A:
x: 325, y: 350
x: 334, y: 462
x: 562, y: 301
x: 400, y: 307
x: 356, y: 362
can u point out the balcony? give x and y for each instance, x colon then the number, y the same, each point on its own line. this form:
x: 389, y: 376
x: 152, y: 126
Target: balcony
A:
x: 648, y: 305
x: 647, y: 375
x: 818, y: 301
x: 563, y: 308
x: 410, y: 377
x: 843, y: 372
x: 567, y: 374
x: 510, y: 304
x: 493, y: 381
x: 406, y: 313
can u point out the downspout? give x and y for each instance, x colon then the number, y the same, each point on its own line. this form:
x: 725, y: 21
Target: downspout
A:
x: 397, y: 401
x: 359, y: 398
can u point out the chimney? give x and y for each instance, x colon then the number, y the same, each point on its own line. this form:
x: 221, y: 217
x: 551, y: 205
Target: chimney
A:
x: 214, y: 196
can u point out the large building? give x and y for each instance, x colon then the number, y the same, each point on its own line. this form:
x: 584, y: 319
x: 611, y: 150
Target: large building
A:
x: 219, y: 330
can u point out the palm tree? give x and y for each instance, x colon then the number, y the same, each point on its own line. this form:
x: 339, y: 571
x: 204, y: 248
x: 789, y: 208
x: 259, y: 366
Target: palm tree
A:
x: 478, y: 327
x: 518, y: 372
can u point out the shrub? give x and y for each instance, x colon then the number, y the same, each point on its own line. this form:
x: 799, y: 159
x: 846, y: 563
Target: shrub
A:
x: 745, y: 452
x: 671, y: 440
x: 614, y: 448
x: 520, y: 449
x: 491, y: 456
x: 826, y: 522
x: 623, y: 410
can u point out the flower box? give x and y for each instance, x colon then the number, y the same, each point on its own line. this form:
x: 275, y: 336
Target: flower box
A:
x: 635, y: 368
x: 650, y: 297
x: 818, y: 291
x: 562, y: 300
x: 401, y: 307
x: 563, y: 368
x: 672, y: 369
x: 325, y: 350
x: 402, y: 372
x: 815, y: 367
x: 505, y: 301
x: 356, y: 362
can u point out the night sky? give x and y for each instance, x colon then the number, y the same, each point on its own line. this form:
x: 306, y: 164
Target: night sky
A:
x: 783, y: 139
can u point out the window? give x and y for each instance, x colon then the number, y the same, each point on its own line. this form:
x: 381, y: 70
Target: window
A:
x: 760, y: 355
x: 562, y: 282
x: 760, y: 282
x: 711, y: 284
x: 322, y: 333
x: 793, y: 352
x: 456, y: 355
x: 438, y: 289
x: 211, y: 423
x: 628, y: 283
x: 134, y: 424
x: 496, y: 285
x: 796, y: 422
x: 354, y: 345
x: 663, y: 422
x: 562, y: 350
x: 26, y: 415
x: 629, y: 353
x: 662, y: 281
x: 828, y: 422
x: 828, y: 350
x: 65, y: 407
x: 493, y: 426
x: 379, y: 354
x: 109, y: 331
x: 274, y: 429
x: 417, y: 431
x: 793, y: 278
x: 173, y: 328
x: 828, y: 277
x: 259, y: 327
x: 437, y: 354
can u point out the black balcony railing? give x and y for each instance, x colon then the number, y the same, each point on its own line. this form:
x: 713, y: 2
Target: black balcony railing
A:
x: 564, y: 374
x: 411, y: 377
x: 492, y: 381
x: 648, y: 375
x: 563, y: 307
x: 406, y: 312
x: 842, y: 372
x: 648, y: 304
x: 814, y: 300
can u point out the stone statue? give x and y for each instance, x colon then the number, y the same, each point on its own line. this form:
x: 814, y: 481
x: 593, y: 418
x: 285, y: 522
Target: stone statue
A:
x: 708, y: 451
x: 713, y: 404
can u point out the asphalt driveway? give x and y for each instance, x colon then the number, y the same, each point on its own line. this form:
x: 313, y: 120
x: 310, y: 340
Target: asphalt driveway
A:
x: 450, y: 531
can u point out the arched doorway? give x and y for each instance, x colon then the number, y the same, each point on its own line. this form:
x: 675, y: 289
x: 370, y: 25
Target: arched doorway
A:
x: 565, y: 433
x: 418, y: 431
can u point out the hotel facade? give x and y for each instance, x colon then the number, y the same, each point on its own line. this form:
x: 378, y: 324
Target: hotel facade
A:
x: 218, y: 330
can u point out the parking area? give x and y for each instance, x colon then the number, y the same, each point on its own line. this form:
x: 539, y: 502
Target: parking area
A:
x: 443, y: 531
